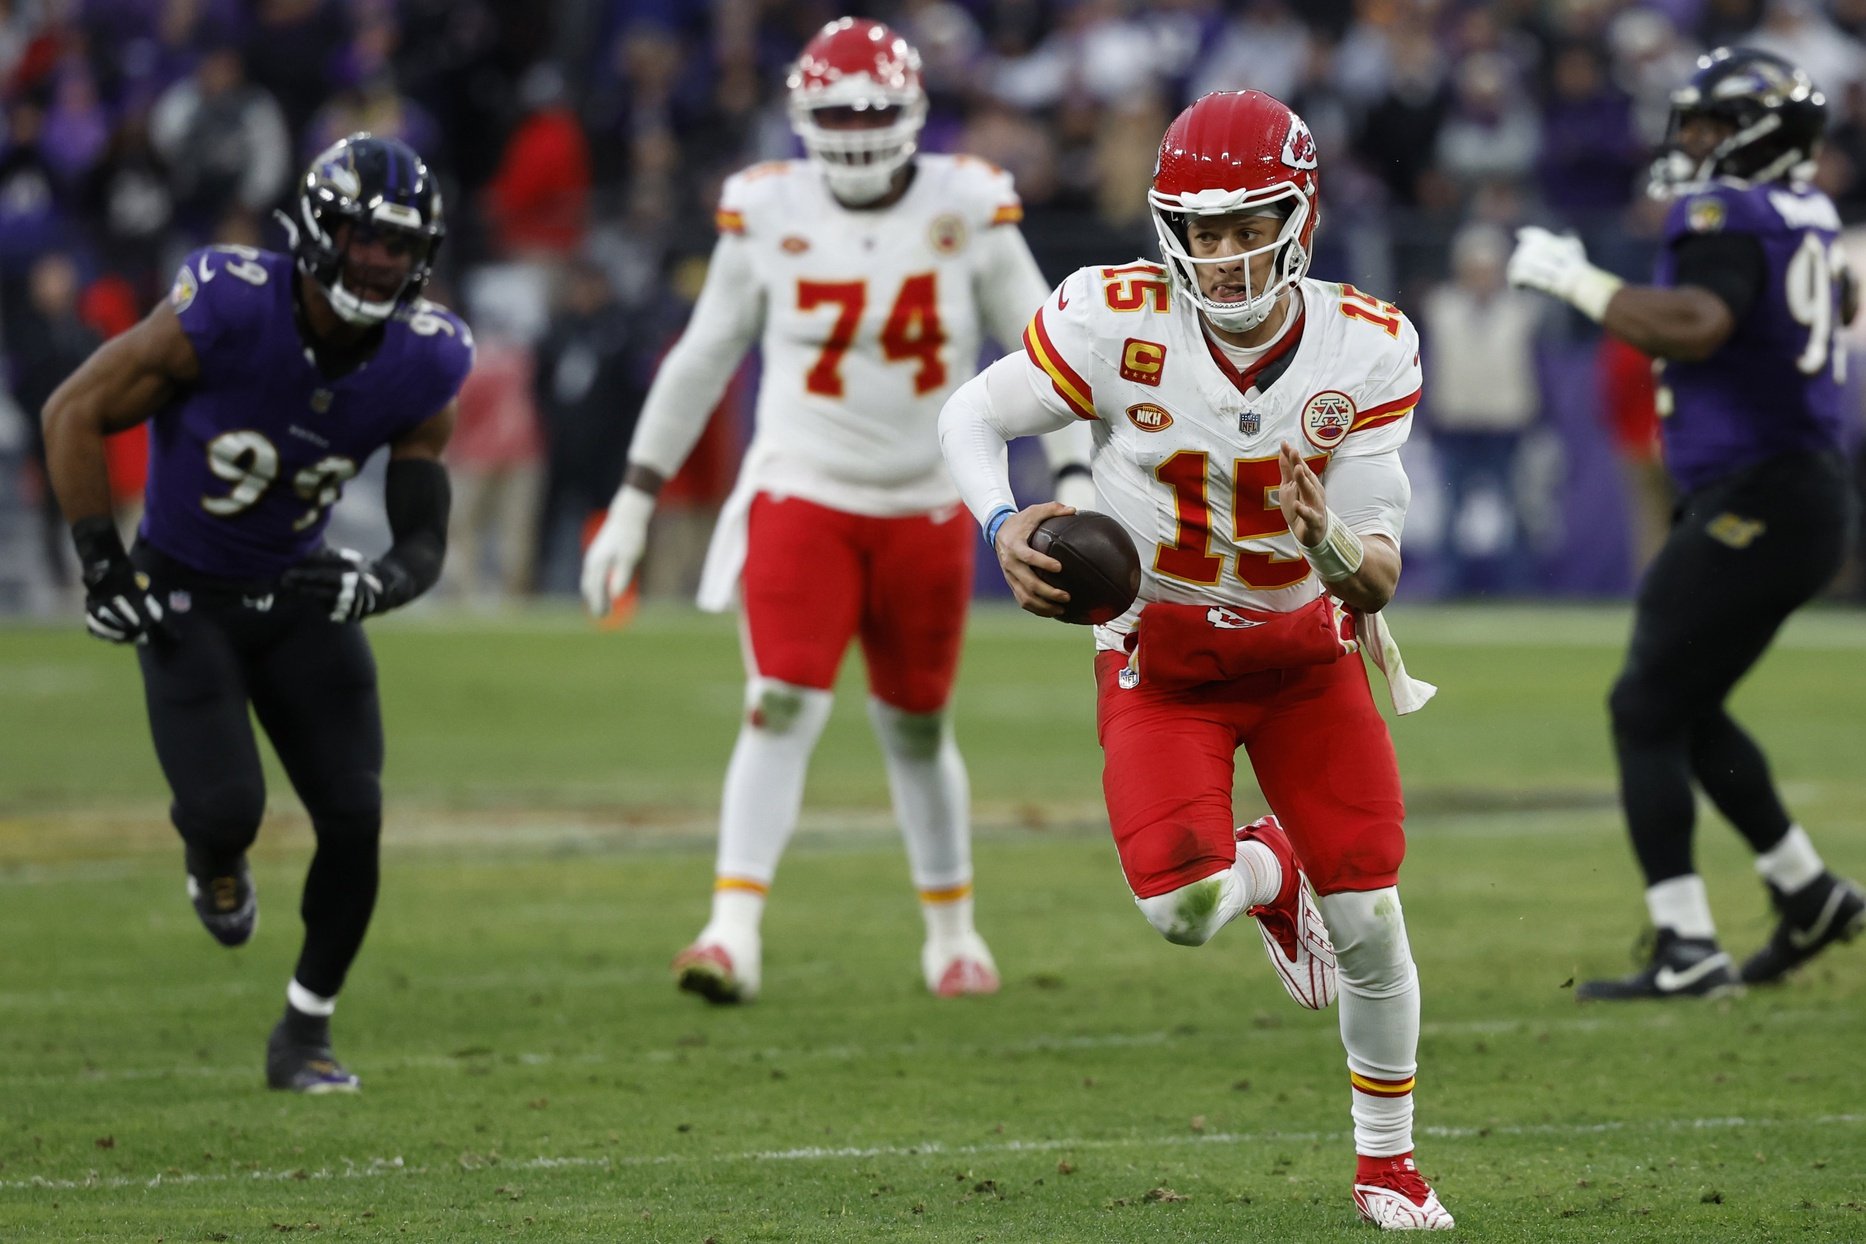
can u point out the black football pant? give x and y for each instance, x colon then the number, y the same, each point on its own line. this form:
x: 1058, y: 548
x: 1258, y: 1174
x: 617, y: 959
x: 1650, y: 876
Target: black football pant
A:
x: 1743, y: 554
x: 312, y: 684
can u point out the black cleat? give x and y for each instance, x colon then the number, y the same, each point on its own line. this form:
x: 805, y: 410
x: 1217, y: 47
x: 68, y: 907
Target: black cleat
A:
x: 299, y: 1058
x: 226, y: 901
x: 1828, y: 909
x: 1681, y: 967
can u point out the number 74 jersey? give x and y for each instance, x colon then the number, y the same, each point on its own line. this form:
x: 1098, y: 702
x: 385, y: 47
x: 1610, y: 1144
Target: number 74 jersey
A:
x: 1187, y: 444
x: 870, y: 320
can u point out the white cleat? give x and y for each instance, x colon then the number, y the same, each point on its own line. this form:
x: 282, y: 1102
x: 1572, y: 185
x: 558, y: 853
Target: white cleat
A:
x: 959, y: 967
x: 1294, y: 935
x: 716, y: 974
x: 1399, y: 1199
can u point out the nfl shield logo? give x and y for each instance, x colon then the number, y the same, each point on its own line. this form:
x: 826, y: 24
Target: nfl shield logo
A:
x: 1249, y: 422
x: 320, y: 401
x: 180, y: 602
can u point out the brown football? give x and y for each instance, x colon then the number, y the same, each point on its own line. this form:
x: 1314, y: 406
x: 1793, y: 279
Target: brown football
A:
x: 1101, y: 570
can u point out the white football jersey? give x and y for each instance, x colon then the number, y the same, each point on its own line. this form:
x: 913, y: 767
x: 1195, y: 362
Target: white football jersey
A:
x: 870, y: 319
x: 1186, y: 447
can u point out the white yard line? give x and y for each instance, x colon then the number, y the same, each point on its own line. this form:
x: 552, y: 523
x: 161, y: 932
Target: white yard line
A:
x: 1641, y: 1020
x: 370, y: 1168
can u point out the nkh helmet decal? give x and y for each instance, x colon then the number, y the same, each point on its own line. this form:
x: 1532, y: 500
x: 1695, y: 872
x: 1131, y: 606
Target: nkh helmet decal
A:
x: 1777, y: 118
x: 1236, y: 152
x: 358, y: 189
x: 855, y: 66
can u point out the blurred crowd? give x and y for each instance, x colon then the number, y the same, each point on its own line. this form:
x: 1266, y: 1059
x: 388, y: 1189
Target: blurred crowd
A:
x: 581, y: 143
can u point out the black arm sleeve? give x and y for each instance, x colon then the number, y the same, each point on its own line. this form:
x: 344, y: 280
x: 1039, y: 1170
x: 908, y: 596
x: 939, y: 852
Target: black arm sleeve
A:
x: 1729, y: 265
x: 417, y: 496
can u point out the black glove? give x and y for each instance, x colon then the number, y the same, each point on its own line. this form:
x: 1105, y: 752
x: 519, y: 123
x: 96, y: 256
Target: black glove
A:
x: 118, y: 606
x: 350, y: 585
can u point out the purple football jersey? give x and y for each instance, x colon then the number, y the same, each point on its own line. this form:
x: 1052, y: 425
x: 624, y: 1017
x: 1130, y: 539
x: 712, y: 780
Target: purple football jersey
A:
x: 1774, y: 386
x: 245, y: 465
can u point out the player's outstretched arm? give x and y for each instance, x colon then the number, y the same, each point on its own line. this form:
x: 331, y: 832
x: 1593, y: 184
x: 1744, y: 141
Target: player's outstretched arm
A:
x: 1686, y: 322
x: 122, y: 383
x: 726, y: 319
x: 1361, y: 570
x: 125, y: 381
x: 417, y: 496
x: 982, y: 416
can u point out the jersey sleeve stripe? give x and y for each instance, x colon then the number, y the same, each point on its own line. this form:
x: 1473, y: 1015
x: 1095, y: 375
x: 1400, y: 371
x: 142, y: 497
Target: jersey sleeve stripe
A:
x: 1390, y: 412
x: 1070, y: 387
x: 1009, y: 214
x: 729, y: 222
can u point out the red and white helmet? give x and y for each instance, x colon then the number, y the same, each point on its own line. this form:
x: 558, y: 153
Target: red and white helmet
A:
x: 1233, y: 151
x: 858, y: 64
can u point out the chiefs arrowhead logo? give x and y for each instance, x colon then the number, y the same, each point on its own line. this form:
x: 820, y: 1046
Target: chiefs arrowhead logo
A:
x: 1299, y: 144
x: 1222, y: 619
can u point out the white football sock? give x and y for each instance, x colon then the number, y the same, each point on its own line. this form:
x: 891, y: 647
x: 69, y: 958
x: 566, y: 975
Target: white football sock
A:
x: 764, y: 782
x: 1262, y: 875
x: 947, y: 919
x: 1379, y: 1001
x: 1791, y: 863
x: 1681, y: 905
x: 305, y: 1002
x: 932, y: 798
x: 738, y: 910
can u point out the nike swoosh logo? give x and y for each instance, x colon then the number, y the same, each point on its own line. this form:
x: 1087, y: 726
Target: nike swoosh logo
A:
x: 1062, y: 298
x: 207, y: 273
x: 1801, y: 939
x: 1670, y: 980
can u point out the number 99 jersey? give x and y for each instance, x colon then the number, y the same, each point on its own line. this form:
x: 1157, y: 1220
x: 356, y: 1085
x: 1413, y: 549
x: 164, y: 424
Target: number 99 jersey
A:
x: 1775, y: 386
x: 1187, y: 445
x: 245, y: 465
x: 870, y: 319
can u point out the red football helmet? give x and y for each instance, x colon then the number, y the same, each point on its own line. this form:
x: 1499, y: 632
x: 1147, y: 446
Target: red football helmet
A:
x: 1236, y: 151
x: 858, y: 66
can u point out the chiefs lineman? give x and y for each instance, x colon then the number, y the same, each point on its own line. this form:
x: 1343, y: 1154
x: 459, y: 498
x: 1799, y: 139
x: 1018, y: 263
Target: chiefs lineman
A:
x: 866, y: 273
x: 1246, y: 425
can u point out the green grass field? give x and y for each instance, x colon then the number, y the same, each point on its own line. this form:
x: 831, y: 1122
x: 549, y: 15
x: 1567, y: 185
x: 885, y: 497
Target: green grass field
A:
x: 530, y: 1073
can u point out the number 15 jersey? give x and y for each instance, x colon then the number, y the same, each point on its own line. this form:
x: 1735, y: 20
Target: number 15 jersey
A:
x: 1186, y: 444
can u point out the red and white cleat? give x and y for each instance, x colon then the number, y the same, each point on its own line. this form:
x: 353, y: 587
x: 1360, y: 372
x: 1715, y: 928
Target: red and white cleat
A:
x: 1294, y: 935
x: 708, y: 969
x: 1391, y: 1194
x: 959, y: 967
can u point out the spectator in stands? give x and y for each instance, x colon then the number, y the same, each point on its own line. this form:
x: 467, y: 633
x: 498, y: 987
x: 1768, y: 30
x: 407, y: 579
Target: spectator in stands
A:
x: 1592, y: 161
x: 495, y: 460
x: 1480, y: 341
x: 539, y: 200
x: 45, y: 343
x: 1491, y: 133
x: 222, y: 139
x: 593, y: 367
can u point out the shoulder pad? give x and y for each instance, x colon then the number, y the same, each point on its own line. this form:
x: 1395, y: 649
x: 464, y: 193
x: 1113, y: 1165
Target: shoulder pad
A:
x: 750, y: 189
x: 988, y: 192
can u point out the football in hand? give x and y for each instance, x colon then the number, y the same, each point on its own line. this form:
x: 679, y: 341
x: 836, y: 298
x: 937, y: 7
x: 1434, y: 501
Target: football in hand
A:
x: 1101, y: 570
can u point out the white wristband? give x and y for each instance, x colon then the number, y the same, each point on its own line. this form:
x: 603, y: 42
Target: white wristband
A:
x: 1593, y: 289
x: 1339, y: 554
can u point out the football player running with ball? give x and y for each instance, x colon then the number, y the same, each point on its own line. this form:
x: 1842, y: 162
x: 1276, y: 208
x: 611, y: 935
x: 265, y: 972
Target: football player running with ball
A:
x: 268, y: 380
x: 1247, y: 424
x: 1744, y: 312
x: 866, y: 273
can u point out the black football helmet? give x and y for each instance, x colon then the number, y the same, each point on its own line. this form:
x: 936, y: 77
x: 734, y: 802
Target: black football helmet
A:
x: 1778, y: 114
x: 379, y: 188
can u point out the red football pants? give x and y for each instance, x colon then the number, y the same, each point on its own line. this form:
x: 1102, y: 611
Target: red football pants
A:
x: 1318, y: 746
x: 815, y: 577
